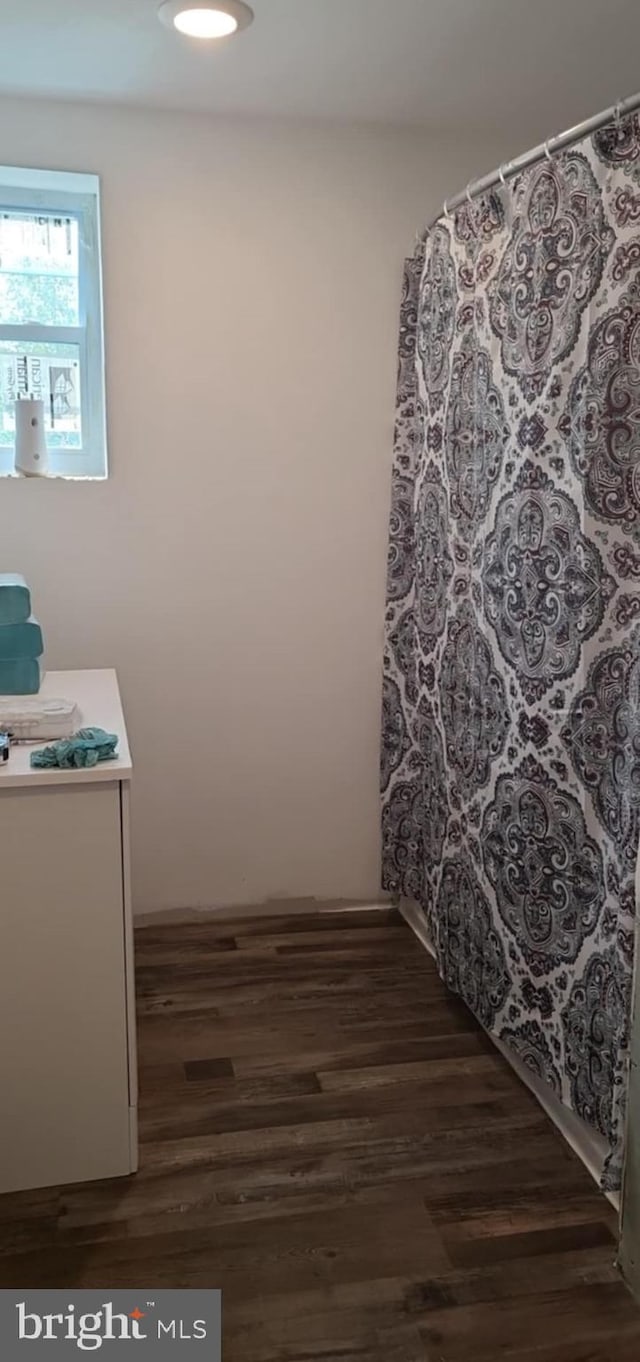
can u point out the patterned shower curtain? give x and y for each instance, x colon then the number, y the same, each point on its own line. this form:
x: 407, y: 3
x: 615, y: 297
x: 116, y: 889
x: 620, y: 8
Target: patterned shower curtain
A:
x: 511, y: 709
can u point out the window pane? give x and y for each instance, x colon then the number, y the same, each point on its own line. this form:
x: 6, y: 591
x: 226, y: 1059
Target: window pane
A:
x: 51, y: 372
x: 38, y: 270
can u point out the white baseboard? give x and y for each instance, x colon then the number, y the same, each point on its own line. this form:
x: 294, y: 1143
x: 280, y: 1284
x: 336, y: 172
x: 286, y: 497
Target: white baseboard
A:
x: 590, y: 1147
x: 272, y: 908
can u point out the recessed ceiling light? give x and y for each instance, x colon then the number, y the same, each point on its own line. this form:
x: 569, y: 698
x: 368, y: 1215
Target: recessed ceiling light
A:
x: 205, y: 18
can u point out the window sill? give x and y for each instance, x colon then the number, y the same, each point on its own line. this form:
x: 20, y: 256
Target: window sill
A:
x: 53, y: 477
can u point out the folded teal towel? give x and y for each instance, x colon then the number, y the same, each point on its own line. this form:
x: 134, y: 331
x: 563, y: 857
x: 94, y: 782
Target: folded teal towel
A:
x: 19, y: 676
x: 20, y: 640
x: 15, y: 600
x: 86, y: 748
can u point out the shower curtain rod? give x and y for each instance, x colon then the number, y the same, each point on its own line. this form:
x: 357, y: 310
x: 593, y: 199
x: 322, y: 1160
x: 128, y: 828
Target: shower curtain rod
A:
x: 528, y: 158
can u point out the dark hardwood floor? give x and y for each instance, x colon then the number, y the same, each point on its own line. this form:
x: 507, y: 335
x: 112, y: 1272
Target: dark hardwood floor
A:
x: 329, y: 1137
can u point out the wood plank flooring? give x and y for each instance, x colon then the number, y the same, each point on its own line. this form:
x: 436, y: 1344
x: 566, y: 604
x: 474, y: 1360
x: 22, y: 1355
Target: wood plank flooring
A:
x: 329, y: 1137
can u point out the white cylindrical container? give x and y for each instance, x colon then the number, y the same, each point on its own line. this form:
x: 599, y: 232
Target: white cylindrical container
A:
x: 31, y: 447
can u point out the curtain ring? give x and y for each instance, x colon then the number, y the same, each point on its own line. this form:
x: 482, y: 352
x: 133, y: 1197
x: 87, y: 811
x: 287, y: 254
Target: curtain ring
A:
x: 617, y: 112
x: 469, y: 193
x: 547, y: 152
x: 501, y: 178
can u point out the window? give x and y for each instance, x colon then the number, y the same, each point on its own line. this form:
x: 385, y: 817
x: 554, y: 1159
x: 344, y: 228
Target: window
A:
x: 51, y: 342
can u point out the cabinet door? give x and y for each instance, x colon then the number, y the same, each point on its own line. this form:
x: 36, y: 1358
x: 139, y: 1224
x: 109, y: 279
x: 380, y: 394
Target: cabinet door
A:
x: 63, y: 1025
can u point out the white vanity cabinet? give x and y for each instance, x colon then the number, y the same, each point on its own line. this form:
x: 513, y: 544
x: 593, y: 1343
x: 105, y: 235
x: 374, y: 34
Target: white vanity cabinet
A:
x: 67, y: 1006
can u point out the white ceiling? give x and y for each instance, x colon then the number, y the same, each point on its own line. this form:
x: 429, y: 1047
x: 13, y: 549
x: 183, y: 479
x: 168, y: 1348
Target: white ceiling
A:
x: 538, y: 65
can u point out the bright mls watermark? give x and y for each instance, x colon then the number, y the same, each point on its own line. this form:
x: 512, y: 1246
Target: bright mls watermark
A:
x: 158, y: 1324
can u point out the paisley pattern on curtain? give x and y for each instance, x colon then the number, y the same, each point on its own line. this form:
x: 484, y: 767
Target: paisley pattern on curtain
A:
x: 511, y: 706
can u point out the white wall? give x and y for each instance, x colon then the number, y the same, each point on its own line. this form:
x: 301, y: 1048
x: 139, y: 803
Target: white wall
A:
x: 233, y: 566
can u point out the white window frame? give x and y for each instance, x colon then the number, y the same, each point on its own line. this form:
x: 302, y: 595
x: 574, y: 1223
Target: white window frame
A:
x: 75, y: 196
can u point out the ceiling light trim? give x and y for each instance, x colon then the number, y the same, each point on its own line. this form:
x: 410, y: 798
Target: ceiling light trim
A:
x: 236, y: 9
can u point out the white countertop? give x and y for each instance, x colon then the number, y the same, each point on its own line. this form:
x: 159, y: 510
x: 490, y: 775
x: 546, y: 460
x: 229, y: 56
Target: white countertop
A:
x: 97, y: 696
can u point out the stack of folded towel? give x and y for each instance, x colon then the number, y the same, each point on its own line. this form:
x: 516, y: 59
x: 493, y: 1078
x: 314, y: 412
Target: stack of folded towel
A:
x: 21, y: 644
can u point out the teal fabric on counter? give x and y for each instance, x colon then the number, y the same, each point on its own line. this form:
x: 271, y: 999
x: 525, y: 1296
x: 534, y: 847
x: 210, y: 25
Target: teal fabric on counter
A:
x: 20, y: 676
x: 86, y: 748
x: 15, y: 599
x: 19, y: 641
